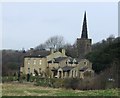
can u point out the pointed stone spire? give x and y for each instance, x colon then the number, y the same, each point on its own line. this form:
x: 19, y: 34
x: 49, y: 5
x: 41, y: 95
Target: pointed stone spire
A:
x: 84, y: 28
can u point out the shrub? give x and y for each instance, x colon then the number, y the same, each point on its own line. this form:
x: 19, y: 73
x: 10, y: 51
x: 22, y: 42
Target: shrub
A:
x: 72, y: 83
x: 9, y: 79
x: 58, y: 83
x: 86, y: 84
x: 42, y: 82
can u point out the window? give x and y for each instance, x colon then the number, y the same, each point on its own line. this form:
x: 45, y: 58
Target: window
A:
x: 72, y: 73
x: 28, y: 61
x: 40, y: 62
x: 85, y: 63
x: 75, y: 73
x: 34, y: 62
x: 39, y: 69
x: 28, y: 70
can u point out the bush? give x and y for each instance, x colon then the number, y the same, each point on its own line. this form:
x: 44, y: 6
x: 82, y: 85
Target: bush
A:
x: 86, y: 84
x: 42, y: 82
x: 72, y: 83
x: 58, y: 83
x: 50, y: 82
x: 23, y: 77
x: 9, y: 79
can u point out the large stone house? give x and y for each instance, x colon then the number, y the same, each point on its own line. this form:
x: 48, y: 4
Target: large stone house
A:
x: 56, y: 64
x: 38, y: 63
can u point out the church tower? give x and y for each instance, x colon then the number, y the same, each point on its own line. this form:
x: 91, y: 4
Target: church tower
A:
x: 83, y: 43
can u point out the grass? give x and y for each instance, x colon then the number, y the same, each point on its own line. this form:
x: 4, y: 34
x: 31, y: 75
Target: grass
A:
x: 29, y: 89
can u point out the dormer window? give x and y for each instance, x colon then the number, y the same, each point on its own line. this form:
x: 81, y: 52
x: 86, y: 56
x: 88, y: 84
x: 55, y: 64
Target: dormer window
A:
x: 53, y: 60
x: 74, y: 61
x: 68, y: 61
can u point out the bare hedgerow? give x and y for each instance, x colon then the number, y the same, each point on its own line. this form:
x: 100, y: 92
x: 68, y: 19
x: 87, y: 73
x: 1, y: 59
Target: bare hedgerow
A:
x: 71, y: 83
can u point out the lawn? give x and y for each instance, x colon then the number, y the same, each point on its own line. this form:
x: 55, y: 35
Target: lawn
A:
x: 29, y: 89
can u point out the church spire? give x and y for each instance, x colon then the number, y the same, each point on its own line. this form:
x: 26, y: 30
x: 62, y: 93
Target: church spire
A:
x: 84, y: 28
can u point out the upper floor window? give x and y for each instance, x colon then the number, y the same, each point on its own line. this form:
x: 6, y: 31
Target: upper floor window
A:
x: 34, y: 62
x: 40, y: 62
x: 28, y: 61
x: 85, y: 63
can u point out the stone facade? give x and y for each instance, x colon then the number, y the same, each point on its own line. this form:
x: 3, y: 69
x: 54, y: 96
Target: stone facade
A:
x: 83, y: 46
x: 32, y: 63
x: 39, y: 63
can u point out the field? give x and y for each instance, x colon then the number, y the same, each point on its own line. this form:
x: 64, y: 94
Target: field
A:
x: 28, y: 89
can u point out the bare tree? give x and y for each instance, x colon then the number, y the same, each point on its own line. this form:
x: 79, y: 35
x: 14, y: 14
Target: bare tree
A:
x: 55, y: 42
x: 71, y: 50
x: 40, y: 47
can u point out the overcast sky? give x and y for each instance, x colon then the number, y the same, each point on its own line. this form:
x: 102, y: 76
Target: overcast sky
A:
x: 30, y: 24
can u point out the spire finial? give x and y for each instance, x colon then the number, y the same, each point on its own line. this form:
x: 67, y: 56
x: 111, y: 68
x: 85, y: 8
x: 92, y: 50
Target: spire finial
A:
x: 84, y: 27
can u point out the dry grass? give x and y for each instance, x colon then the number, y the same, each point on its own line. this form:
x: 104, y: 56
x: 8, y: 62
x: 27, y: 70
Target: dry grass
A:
x: 28, y: 89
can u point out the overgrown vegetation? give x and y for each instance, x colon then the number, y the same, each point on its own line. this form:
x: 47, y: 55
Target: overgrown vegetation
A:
x: 104, y: 54
x: 28, y: 89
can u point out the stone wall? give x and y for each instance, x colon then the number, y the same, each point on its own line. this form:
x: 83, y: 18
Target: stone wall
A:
x: 83, y: 47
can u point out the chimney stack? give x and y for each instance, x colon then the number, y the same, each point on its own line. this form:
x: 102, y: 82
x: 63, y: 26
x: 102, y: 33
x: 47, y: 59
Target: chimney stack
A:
x: 63, y: 51
x: 51, y: 50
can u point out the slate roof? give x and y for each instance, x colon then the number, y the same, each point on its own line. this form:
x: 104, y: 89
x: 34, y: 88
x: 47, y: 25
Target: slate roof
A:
x: 38, y: 54
x: 59, y: 59
x: 83, y: 68
x: 67, y: 68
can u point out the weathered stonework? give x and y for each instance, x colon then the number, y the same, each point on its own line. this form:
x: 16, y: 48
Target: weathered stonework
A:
x: 83, y: 46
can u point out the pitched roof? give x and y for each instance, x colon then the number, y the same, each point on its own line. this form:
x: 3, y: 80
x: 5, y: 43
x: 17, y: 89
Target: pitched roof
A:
x: 38, y: 53
x: 83, y: 68
x: 67, y: 68
x: 59, y: 59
